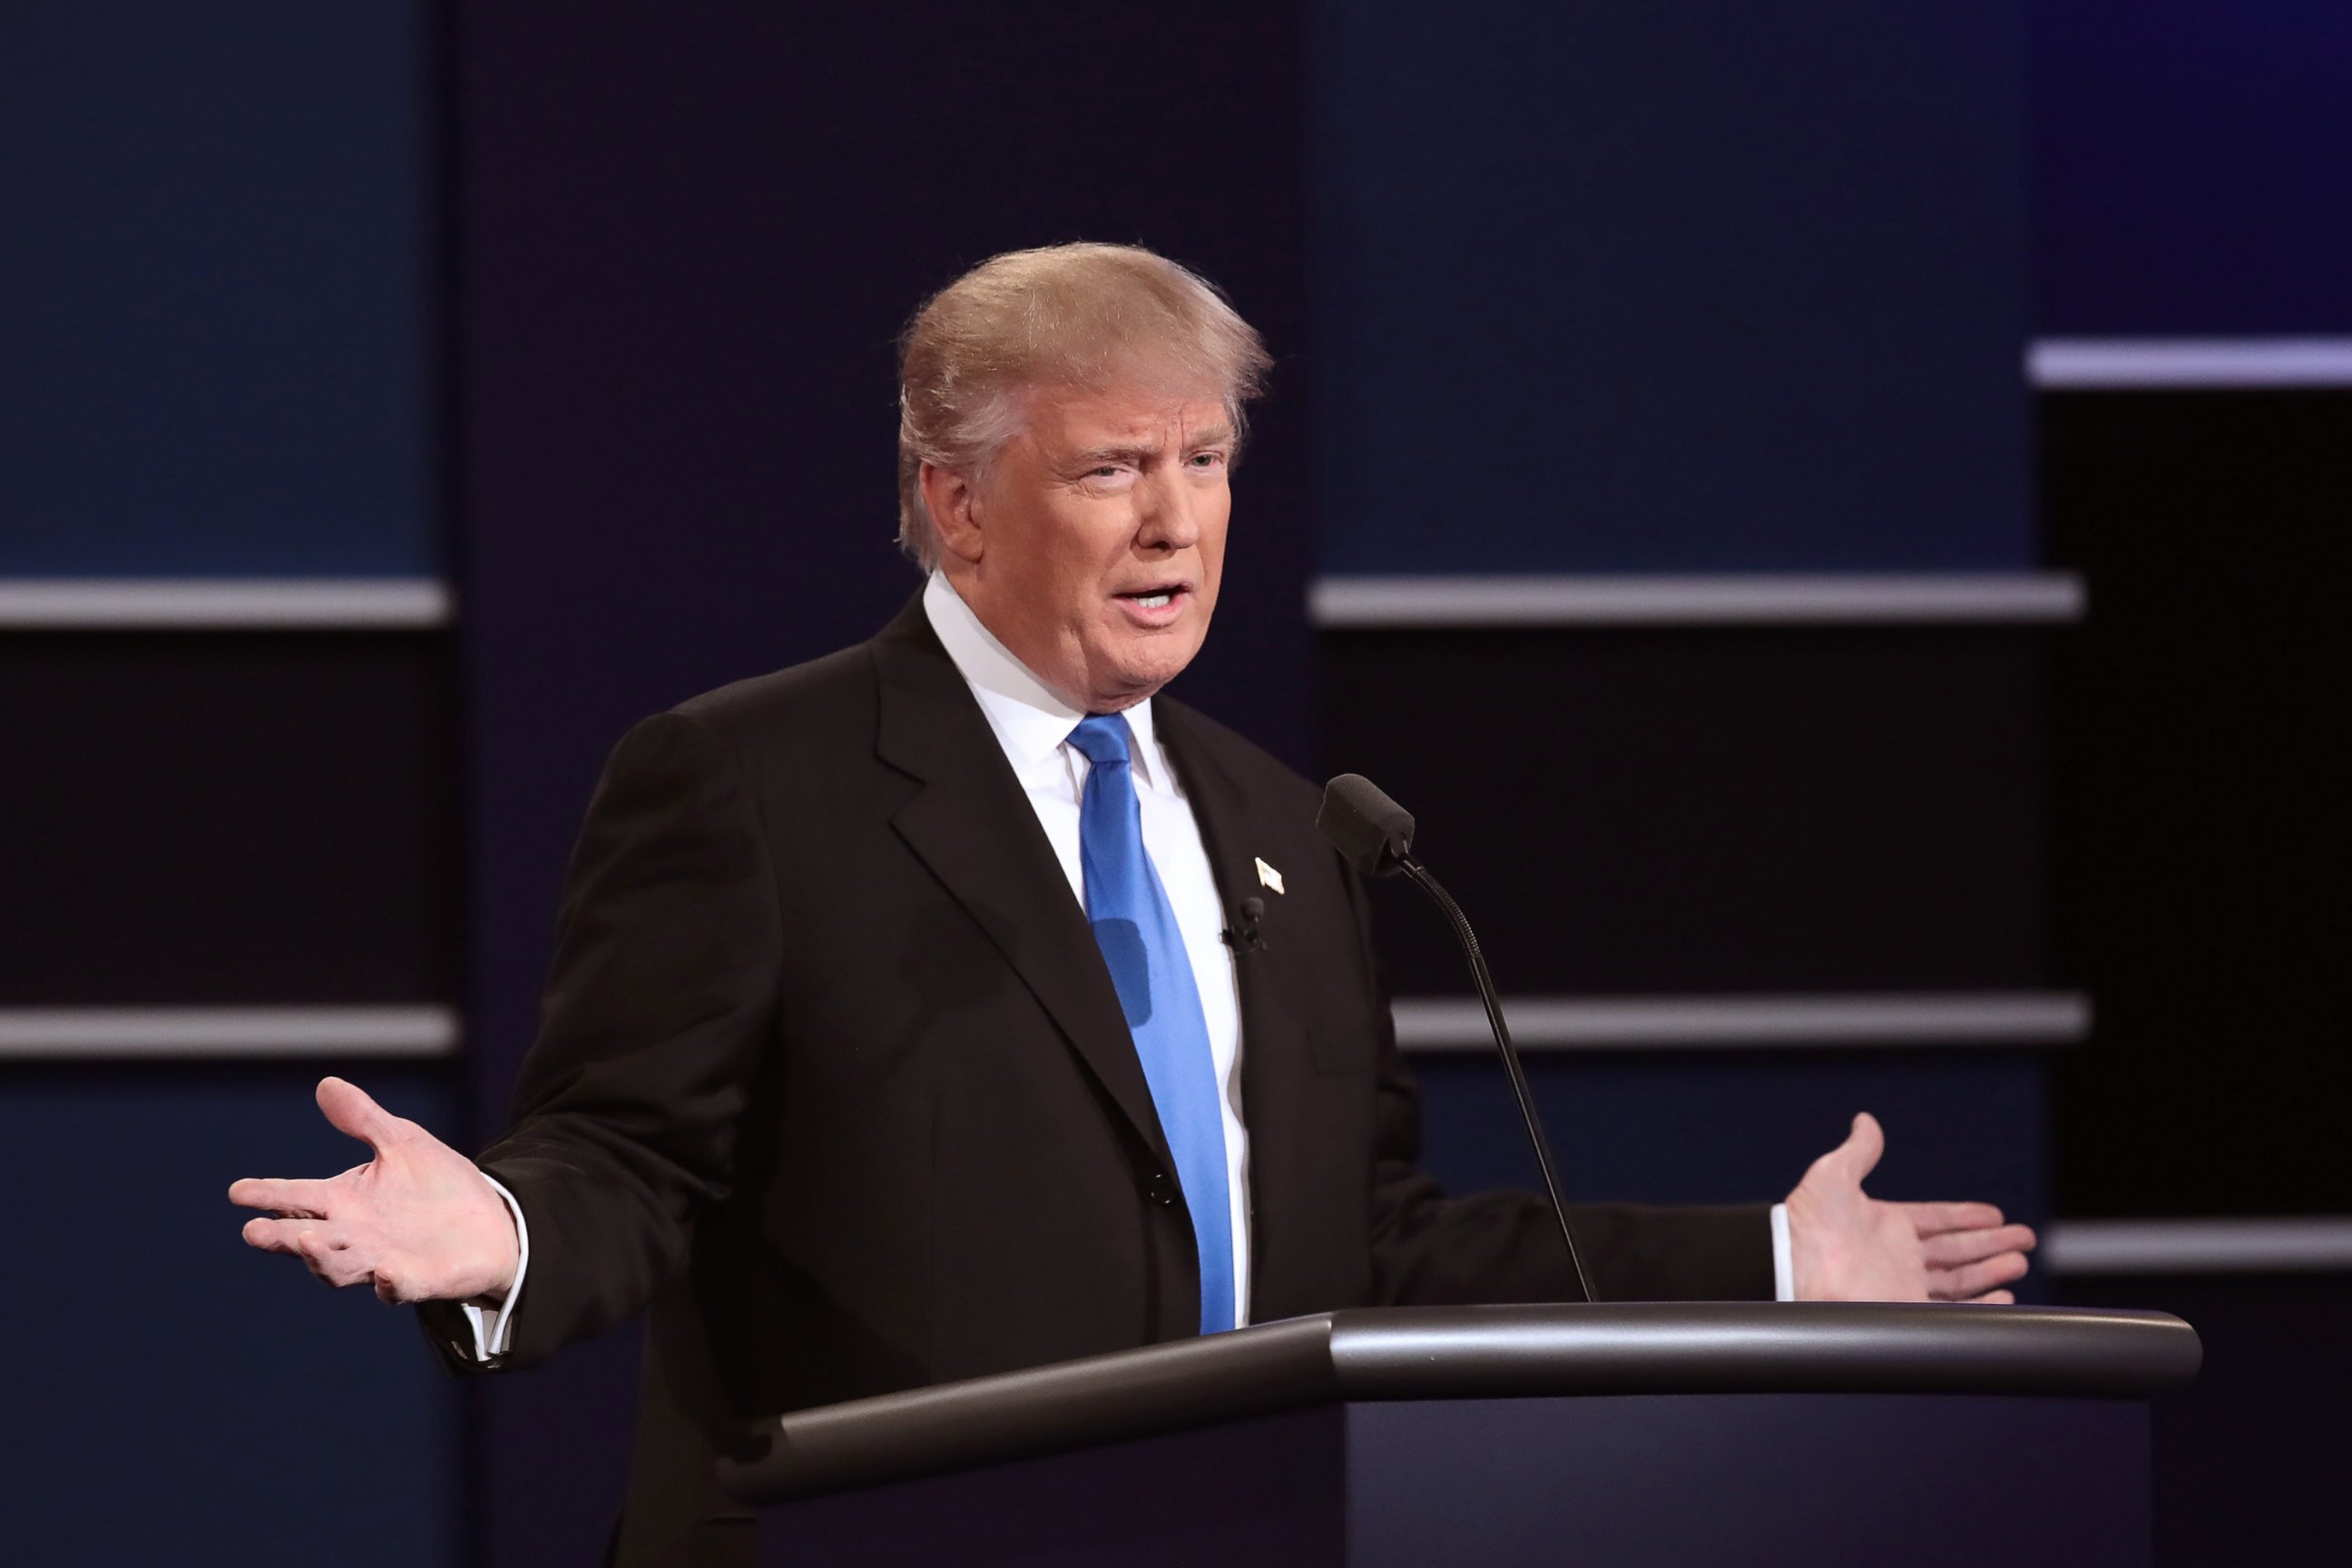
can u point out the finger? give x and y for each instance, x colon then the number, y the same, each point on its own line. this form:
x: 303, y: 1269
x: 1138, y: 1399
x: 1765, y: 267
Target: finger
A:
x: 1954, y: 1248
x: 1994, y: 1299
x: 276, y: 1235
x: 306, y: 1199
x: 323, y: 1249
x: 1934, y: 1219
x: 349, y: 1109
x: 298, y: 1239
x: 1858, y: 1155
x: 1975, y: 1278
x: 399, y: 1278
x: 336, y: 1265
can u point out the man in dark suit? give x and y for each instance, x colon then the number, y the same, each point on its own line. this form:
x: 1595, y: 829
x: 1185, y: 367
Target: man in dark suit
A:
x: 904, y: 1025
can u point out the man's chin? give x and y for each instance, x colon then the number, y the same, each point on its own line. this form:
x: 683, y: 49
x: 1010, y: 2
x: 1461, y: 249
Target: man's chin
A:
x: 1141, y: 666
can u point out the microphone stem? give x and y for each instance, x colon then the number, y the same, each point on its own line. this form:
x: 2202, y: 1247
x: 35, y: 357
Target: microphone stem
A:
x: 1469, y: 940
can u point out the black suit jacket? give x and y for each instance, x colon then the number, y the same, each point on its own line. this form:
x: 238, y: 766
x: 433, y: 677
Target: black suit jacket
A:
x: 832, y: 1079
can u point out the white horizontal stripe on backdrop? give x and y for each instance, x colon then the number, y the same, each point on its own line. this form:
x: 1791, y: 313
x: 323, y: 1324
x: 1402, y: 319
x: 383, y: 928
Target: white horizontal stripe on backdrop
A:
x: 1708, y: 1022
x: 2302, y: 1246
x: 2156, y: 365
x: 228, y: 1032
x: 223, y: 604
x: 1743, y: 599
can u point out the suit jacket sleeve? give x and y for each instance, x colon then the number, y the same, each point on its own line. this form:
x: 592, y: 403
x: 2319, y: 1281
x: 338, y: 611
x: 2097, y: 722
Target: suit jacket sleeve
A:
x: 656, y: 1012
x: 1432, y: 1250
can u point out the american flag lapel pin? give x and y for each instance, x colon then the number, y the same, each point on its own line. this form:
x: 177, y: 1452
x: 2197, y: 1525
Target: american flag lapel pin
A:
x: 1268, y: 877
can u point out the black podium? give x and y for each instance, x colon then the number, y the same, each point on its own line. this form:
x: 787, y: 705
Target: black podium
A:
x: 1618, y: 1433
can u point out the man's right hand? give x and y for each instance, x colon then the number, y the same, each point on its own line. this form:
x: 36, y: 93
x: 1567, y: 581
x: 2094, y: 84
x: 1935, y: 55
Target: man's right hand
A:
x: 419, y: 1222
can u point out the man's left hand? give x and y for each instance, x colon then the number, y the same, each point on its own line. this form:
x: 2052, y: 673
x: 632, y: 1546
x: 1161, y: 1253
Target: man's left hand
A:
x: 1845, y: 1245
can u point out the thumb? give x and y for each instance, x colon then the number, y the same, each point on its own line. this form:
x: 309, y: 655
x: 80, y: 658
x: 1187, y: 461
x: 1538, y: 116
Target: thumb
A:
x: 349, y: 1109
x: 1858, y: 1155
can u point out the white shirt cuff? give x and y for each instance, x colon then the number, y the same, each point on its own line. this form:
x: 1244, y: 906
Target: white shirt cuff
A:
x: 493, y: 1325
x: 1784, y: 1268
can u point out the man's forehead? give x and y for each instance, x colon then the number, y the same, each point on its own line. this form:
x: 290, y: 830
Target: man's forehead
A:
x: 1090, y: 416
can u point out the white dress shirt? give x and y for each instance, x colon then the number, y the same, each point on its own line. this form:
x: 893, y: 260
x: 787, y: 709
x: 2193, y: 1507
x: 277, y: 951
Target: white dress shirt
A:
x: 1032, y: 726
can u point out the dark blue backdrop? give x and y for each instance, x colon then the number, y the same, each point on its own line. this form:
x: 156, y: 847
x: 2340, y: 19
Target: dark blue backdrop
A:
x: 1611, y: 288
x: 216, y: 292
x: 2189, y: 167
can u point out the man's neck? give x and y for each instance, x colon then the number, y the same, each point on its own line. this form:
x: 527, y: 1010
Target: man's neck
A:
x: 982, y: 657
x: 1028, y: 714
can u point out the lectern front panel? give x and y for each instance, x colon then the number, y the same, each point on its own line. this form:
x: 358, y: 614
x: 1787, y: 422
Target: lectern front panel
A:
x: 1664, y: 1481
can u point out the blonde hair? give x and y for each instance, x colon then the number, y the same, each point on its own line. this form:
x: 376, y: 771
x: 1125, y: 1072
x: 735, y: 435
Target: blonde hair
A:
x: 1085, y: 316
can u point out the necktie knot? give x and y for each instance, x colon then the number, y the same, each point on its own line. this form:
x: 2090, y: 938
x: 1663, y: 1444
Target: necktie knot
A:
x: 1102, y: 739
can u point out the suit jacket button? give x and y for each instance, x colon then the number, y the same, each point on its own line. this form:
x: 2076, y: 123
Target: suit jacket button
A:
x: 1159, y: 1189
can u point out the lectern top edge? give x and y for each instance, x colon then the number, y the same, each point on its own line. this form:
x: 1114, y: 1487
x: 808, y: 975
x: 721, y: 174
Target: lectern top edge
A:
x: 1465, y: 1352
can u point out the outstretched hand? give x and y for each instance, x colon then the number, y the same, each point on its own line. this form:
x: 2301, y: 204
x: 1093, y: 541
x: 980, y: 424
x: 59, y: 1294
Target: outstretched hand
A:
x: 419, y: 1222
x: 1845, y: 1245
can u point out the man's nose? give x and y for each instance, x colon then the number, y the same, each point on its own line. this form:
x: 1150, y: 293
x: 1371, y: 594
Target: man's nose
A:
x: 1167, y: 521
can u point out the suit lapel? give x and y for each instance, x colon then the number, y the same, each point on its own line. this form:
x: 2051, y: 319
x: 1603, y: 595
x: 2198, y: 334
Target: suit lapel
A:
x: 974, y: 828
x: 1277, y: 1062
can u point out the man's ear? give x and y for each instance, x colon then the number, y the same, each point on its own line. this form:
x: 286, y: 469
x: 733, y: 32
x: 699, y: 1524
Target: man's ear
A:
x: 954, y: 501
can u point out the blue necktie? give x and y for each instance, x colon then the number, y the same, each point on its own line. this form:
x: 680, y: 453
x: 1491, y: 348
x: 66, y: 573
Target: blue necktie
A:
x: 1136, y: 929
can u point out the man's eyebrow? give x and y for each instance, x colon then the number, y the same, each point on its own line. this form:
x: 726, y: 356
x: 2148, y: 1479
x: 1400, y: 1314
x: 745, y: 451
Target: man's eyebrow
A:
x: 1137, y: 452
x: 1129, y: 452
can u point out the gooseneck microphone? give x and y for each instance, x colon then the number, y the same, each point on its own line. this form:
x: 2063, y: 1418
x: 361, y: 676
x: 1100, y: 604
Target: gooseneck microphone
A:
x: 1374, y: 835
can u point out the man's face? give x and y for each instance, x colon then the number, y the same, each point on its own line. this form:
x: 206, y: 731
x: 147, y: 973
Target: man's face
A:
x: 1093, y: 545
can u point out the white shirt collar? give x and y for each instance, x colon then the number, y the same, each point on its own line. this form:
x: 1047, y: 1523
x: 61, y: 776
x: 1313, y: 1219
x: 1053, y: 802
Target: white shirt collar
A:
x: 1031, y: 723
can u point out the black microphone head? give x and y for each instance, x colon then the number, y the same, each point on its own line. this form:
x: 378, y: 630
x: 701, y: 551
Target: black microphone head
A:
x: 1368, y: 828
